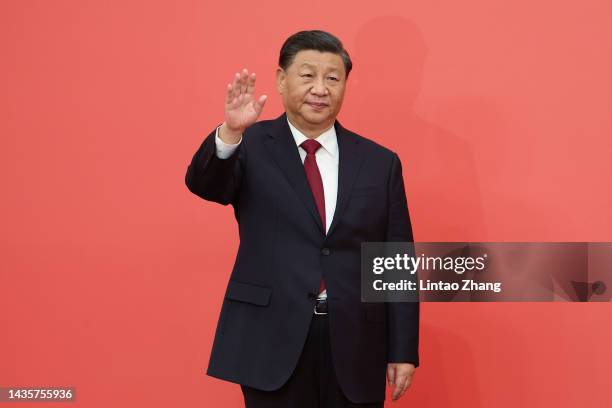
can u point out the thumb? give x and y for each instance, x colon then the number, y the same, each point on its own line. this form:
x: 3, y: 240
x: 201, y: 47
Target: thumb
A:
x: 259, y: 104
x: 391, y: 374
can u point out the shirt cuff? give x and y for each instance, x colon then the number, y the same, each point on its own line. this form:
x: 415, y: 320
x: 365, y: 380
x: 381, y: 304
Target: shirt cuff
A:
x: 224, y: 150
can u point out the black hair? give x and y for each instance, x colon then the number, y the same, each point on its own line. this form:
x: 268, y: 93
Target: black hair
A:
x: 313, y: 40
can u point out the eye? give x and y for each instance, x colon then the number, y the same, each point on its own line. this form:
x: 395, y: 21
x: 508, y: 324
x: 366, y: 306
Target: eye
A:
x: 306, y: 75
x: 333, y: 78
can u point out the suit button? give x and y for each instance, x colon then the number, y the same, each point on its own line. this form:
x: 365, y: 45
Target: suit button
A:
x: 325, y: 251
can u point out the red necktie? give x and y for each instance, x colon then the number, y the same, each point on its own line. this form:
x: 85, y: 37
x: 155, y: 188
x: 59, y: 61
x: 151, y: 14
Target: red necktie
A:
x: 316, y: 183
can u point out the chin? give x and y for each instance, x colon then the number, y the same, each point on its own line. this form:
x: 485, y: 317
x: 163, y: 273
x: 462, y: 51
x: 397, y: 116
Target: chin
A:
x: 318, y: 120
x: 316, y: 116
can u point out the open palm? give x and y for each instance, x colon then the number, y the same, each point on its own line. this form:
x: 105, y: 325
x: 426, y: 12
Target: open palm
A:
x: 241, y: 107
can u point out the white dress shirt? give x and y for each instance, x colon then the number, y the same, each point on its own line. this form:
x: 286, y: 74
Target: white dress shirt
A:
x: 327, y: 160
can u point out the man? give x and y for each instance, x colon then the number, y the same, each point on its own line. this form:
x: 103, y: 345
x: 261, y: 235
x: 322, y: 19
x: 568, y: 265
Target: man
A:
x: 306, y: 193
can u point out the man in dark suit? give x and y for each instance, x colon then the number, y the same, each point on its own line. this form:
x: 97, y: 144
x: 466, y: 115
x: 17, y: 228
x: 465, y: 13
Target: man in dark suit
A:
x: 306, y: 193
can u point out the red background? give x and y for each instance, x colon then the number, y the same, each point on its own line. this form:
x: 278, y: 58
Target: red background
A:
x: 113, y: 273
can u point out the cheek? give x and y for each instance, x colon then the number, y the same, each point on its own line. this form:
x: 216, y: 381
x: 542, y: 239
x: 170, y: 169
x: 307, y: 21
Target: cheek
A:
x: 337, y: 98
x: 298, y: 96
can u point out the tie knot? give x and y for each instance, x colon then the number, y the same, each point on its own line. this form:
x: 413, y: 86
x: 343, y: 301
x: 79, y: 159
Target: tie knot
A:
x: 310, y: 145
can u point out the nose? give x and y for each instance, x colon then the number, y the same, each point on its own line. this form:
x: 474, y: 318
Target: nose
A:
x: 319, y: 87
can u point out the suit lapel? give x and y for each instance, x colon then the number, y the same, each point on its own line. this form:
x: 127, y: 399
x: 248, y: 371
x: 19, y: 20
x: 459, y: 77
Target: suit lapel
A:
x: 286, y: 154
x: 349, y: 163
x: 281, y: 144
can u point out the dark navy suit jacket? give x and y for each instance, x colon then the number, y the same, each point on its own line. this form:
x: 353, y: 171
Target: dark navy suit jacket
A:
x: 284, y: 251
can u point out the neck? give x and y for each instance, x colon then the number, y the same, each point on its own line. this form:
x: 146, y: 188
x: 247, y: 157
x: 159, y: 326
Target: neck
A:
x: 310, y: 131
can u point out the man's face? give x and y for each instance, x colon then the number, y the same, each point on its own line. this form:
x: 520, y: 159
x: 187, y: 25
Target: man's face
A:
x: 313, y: 89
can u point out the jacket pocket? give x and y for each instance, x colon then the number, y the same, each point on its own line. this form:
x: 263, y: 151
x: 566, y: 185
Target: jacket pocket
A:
x: 365, y: 191
x: 249, y: 293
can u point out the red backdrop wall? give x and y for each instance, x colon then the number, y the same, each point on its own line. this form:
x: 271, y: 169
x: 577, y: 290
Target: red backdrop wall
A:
x: 113, y: 273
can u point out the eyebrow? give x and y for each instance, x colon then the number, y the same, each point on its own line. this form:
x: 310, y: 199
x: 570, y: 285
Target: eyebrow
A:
x: 313, y: 66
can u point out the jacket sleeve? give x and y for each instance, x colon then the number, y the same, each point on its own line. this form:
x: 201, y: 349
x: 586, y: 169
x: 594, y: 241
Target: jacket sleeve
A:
x: 213, y: 178
x: 402, y: 317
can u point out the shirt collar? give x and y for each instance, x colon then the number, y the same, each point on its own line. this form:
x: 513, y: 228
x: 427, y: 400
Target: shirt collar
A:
x: 327, y: 139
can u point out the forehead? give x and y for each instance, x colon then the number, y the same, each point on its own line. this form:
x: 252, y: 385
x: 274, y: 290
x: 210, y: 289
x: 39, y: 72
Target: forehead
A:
x: 319, y: 60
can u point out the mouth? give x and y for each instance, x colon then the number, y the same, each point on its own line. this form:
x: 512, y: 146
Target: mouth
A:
x: 317, y: 105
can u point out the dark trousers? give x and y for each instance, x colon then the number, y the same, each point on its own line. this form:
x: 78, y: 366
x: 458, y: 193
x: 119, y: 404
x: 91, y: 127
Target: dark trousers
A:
x: 313, y: 383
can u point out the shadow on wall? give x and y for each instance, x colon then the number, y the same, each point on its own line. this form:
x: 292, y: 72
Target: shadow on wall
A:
x: 442, y: 184
x: 456, y: 371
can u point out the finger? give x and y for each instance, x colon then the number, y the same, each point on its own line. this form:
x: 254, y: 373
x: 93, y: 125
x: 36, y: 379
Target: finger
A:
x: 251, y: 83
x: 403, y: 390
x: 235, y: 86
x: 408, y: 383
x: 403, y: 385
x: 398, y: 390
x: 243, y: 80
x: 229, y: 95
x: 401, y: 380
x: 390, y: 374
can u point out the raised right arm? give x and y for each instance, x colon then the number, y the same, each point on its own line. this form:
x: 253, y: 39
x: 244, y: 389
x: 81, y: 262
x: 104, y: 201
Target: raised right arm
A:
x: 216, y: 169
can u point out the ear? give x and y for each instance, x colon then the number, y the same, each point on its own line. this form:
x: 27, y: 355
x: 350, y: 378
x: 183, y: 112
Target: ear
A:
x: 281, y: 76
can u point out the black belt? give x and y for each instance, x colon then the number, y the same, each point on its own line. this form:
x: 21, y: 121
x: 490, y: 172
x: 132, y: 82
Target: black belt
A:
x: 320, y: 307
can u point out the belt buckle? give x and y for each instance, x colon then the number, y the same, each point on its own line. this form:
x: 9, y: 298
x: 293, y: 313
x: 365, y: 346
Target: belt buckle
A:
x: 315, y: 307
